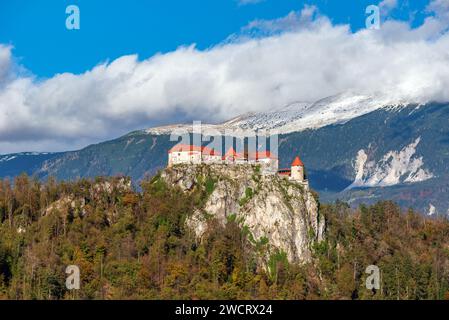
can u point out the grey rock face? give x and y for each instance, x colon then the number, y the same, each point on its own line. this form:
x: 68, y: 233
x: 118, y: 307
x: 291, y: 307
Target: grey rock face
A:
x: 270, y: 207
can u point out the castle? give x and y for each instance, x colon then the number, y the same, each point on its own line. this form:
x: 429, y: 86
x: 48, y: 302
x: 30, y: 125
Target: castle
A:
x: 183, y: 153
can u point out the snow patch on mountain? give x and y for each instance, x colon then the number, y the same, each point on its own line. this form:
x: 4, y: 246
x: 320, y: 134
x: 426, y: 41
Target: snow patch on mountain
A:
x: 298, y: 116
x: 432, y: 210
x: 9, y: 157
x: 360, y: 161
x: 393, y: 168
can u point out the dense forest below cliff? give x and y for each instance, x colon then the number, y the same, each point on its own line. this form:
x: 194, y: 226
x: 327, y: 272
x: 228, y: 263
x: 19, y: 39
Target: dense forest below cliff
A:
x: 136, y: 245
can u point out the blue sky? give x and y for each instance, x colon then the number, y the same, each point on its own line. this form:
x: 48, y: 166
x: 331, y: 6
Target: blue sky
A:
x: 110, y: 29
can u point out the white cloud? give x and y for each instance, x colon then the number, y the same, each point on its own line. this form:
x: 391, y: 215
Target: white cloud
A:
x: 304, y: 57
x: 439, y: 7
x: 5, y: 63
x: 306, y: 18
x: 245, y: 2
x: 386, y: 6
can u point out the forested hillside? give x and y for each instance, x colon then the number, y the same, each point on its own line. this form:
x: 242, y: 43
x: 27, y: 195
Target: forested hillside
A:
x: 135, y: 245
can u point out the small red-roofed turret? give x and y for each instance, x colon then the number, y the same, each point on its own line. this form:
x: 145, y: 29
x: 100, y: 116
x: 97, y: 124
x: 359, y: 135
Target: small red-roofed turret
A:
x: 297, y: 169
x: 297, y: 162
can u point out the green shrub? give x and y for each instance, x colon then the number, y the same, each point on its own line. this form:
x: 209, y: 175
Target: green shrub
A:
x: 248, y: 195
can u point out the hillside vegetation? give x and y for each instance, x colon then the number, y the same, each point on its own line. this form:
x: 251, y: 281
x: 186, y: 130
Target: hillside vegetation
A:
x: 135, y: 245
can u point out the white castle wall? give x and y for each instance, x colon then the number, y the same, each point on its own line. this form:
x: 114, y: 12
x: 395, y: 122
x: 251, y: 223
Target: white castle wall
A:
x: 269, y: 166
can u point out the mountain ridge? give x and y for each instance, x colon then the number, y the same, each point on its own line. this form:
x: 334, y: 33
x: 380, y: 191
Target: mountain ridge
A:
x: 298, y: 116
x: 386, y: 137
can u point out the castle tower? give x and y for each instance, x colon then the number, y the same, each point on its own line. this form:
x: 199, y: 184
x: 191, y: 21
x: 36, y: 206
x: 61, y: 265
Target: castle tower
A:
x: 297, y: 170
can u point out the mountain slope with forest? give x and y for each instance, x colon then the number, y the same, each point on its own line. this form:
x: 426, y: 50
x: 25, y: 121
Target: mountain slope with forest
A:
x: 137, y: 245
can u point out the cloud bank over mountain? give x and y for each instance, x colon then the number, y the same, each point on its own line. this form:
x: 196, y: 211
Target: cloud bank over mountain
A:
x: 301, y: 57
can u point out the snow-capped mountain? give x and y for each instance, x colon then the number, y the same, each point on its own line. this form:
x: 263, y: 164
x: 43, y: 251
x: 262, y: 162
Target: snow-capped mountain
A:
x: 361, y: 149
x: 299, y: 116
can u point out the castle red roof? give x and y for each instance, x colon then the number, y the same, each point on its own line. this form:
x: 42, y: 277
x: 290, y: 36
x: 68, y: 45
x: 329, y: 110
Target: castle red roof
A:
x: 231, y: 153
x: 261, y: 155
x: 284, y: 172
x: 297, y: 162
x: 192, y: 148
x: 209, y: 151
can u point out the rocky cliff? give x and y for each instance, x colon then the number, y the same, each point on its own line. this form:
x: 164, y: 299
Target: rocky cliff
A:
x: 279, y: 213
